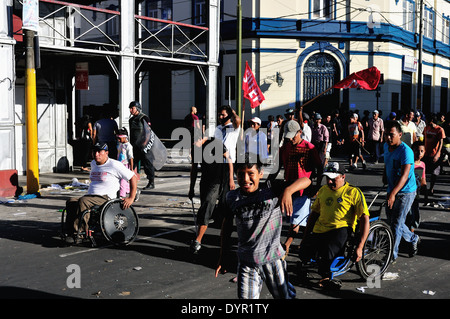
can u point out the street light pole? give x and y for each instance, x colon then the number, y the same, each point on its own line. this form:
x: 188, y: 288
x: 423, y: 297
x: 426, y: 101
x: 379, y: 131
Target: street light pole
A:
x: 238, y: 60
x: 419, y: 74
x: 31, y: 116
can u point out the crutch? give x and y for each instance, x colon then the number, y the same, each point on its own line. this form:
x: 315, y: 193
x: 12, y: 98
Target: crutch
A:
x: 195, y: 216
x: 363, y: 148
x: 373, y: 200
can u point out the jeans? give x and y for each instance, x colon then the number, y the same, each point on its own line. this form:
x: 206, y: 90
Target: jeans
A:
x: 397, y: 217
x: 301, y: 210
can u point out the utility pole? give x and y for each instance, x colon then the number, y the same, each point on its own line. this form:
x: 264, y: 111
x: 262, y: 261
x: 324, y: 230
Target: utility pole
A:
x: 419, y: 69
x: 238, y: 60
x: 31, y: 116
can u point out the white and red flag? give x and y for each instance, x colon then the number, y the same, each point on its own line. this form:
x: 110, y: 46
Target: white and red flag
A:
x: 367, y: 79
x: 252, y: 92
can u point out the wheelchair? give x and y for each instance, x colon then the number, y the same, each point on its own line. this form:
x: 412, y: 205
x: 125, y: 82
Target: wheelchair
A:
x: 107, y: 222
x: 377, y: 252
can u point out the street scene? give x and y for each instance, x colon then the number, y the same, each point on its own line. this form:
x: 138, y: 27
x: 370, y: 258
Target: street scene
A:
x: 158, y: 264
x: 216, y: 157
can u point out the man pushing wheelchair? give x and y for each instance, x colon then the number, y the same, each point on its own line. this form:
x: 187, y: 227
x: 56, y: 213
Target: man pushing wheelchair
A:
x: 105, y: 177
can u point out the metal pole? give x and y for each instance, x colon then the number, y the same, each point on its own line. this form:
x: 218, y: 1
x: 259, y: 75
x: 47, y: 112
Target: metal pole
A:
x: 238, y: 60
x: 31, y: 116
x: 419, y: 74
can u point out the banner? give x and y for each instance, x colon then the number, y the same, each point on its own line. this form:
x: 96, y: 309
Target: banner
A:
x: 30, y: 15
x: 367, y: 79
x: 252, y: 92
x: 82, y: 76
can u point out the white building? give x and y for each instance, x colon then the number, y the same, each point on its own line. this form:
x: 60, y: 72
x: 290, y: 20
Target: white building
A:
x: 312, y: 44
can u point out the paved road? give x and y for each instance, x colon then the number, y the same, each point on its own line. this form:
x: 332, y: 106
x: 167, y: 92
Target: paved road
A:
x: 158, y: 264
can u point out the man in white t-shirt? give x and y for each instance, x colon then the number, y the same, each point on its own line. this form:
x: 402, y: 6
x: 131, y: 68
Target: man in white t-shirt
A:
x: 105, y: 176
x: 408, y: 128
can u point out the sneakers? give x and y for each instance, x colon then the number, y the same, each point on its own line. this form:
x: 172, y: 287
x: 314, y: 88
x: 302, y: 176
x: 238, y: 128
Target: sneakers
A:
x: 364, y: 165
x: 414, y: 247
x: 195, y: 247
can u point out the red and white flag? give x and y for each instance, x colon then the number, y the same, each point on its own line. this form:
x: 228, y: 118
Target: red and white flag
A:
x: 252, y: 92
x: 367, y: 79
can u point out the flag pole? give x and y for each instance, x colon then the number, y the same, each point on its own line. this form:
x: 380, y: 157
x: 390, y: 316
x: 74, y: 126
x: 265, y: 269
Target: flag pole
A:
x: 317, y: 96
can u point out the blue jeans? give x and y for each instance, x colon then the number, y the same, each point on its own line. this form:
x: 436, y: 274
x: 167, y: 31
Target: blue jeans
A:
x: 397, y: 217
x: 301, y: 209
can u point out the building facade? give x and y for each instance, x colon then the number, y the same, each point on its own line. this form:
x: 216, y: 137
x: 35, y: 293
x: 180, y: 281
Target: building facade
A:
x: 298, y: 49
x: 94, y: 57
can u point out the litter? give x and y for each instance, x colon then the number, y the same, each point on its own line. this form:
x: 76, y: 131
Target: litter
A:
x: 76, y: 183
x: 429, y: 292
x: 362, y: 289
x: 4, y: 200
x: 390, y: 276
x: 29, y: 196
x: 137, y: 268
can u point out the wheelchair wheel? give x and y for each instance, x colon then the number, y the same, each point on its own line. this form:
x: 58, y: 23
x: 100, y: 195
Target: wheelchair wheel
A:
x: 119, y: 226
x: 378, y: 250
x: 63, y: 224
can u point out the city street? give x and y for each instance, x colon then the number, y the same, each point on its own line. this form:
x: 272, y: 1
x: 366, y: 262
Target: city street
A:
x: 158, y: 264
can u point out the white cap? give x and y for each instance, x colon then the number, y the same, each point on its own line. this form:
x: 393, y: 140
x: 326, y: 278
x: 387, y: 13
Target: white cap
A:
x: 256, y: 120
x: 332, y: 170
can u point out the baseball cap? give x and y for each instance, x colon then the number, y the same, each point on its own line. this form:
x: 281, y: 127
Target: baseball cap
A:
x: 332, y: 170
x: 317, y: 116
x: 291, y: 128
x: 392, y: 115
x: 256, y: 120
x: 100, y: 147
x: 289, y: 112
x: 355, y: 115
x: 375, y: 111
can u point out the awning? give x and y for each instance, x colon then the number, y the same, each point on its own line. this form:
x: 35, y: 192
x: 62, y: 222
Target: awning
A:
x: 17, y: 28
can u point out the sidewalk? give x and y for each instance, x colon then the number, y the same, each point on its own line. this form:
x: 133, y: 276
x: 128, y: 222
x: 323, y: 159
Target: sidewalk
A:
x: 174, y: 162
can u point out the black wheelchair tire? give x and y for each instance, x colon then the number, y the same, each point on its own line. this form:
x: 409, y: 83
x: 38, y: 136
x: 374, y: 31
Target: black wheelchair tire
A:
x: 378, y: 250
x: 111, y: 217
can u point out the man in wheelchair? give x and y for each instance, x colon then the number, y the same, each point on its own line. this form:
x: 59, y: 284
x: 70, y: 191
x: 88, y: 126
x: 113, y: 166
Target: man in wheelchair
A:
x: 333, y: 219
x: 105, y: 177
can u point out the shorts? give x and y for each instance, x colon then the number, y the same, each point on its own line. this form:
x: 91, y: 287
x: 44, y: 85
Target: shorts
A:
x: 301, y: 210
x: 251, y: 278
x: 432, y: 167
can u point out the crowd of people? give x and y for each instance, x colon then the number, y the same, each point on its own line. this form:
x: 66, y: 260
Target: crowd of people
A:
x: 410, y: 144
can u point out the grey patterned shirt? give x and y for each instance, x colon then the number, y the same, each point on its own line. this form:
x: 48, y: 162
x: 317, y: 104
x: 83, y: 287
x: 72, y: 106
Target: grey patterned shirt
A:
x: 258, y: 222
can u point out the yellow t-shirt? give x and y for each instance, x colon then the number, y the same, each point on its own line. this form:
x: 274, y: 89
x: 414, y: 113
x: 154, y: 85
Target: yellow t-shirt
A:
x: 341, y: 208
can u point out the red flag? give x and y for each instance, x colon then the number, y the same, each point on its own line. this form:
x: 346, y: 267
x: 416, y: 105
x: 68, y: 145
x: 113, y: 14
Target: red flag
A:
x: 252, y: 92
x: 367, y: 79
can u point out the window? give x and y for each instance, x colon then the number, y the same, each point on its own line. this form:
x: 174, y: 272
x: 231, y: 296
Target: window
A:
x: 408, y: 15
x: 322, y: 9
x: 158, y: 9
x: 444, y: 95
x: 200, y: 12
x: 428, y: 23
x: 446, y: 30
